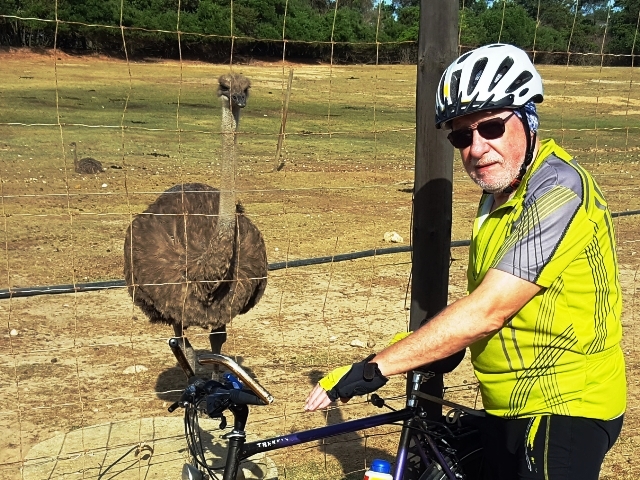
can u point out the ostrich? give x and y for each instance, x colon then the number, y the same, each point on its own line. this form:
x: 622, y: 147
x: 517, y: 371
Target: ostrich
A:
x: 85, y: 165
x: 193, y: 257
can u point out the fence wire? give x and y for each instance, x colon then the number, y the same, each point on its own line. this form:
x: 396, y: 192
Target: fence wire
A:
x: 86, y: 378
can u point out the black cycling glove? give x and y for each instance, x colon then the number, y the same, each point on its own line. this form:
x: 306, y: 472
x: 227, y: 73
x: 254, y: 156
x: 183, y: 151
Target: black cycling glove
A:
x: 351, y: 380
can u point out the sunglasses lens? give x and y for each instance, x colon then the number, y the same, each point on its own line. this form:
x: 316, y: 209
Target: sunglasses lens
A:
x: 461, y: 138
x: 491, y: 129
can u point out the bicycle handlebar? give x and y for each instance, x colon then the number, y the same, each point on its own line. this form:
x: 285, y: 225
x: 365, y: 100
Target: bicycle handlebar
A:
x: 242, y: 397
x: 217, y: 359
x: 217, y: 396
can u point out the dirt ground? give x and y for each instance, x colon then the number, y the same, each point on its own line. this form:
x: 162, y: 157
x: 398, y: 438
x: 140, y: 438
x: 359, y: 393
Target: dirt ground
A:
x: 73, y: 361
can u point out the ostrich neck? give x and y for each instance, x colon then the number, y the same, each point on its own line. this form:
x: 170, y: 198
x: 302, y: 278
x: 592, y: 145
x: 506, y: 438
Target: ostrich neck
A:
x: 230, y: 120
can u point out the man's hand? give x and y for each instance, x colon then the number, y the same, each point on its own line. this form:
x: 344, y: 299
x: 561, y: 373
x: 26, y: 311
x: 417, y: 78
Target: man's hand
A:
x: 346, y: 382
x: 317, y: 399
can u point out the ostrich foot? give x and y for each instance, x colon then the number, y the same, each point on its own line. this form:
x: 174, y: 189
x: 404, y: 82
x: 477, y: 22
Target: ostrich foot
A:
x: 217, y: 337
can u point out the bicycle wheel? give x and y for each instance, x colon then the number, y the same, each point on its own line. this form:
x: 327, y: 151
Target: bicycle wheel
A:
x: 458, y: 443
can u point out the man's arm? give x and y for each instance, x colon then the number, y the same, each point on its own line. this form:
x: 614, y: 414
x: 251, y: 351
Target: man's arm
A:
x: 469, y: 319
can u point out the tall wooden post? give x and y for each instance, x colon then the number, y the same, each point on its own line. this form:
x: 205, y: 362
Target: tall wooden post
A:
x: 433, y: 188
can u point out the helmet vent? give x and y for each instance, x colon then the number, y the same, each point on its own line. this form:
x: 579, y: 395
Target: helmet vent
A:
x: 476, y: 73
x: 502, y: 70
x: 441, y: 89
x: 455, y: 84
x: 464, y: 57
x: 523, y: 78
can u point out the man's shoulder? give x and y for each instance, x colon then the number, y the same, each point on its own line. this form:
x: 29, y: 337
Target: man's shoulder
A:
x: 556, y: 172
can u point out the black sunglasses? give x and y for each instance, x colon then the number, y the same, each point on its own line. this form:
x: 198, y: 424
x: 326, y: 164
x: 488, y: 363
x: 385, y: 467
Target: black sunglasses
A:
x: 489, y: 130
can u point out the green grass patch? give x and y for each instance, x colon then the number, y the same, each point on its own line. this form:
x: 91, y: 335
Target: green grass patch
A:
x: 348, y: 153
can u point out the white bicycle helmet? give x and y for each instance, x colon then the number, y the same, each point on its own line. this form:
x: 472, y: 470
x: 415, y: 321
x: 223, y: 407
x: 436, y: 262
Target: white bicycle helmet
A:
x: 487, y: 78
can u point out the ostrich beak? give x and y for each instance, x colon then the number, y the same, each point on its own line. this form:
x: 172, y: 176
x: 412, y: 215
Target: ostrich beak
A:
x: 239, y: 100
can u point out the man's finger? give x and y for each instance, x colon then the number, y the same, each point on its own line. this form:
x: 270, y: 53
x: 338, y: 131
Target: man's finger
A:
x: 317, y: 399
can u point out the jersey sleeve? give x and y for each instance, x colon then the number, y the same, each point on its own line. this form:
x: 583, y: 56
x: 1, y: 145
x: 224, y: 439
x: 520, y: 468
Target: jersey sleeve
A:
x: 552, y: 228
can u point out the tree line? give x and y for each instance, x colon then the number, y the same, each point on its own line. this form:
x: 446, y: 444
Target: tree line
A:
x: 559, y: 31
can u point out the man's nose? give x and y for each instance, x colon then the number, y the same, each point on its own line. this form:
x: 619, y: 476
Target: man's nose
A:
x: 478, y: 145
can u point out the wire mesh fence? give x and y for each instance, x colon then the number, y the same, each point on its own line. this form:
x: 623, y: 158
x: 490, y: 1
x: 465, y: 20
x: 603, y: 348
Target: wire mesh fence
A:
x: 323, y: 167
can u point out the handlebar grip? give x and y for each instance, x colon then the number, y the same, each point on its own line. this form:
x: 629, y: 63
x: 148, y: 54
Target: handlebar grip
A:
x: 173, y: 406
x: 244, y: 397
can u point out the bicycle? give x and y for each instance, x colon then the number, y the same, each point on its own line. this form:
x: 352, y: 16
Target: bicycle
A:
x: 444, y: 449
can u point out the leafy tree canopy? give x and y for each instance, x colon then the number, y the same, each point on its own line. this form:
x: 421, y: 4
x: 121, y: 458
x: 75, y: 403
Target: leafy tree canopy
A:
x: 550, y: 28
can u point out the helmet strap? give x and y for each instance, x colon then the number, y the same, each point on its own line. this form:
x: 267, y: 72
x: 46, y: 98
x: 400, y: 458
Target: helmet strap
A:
x: 528, y: 155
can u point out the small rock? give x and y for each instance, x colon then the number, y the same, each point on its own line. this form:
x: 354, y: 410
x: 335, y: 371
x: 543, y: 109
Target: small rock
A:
x: 104, y: 185
x: 13, y: 332
x: 393, y: 237
x: 357, y: 343
x: 134, y: 369
x: 54, y: 360
x: 333, y: 338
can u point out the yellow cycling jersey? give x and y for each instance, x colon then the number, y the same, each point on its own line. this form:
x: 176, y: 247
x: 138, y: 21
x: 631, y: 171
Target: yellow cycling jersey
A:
x: 560, y: 354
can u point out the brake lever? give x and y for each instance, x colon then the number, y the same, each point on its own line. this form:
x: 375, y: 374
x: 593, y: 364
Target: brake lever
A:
x: 377, y: 401
x: 196, y: 390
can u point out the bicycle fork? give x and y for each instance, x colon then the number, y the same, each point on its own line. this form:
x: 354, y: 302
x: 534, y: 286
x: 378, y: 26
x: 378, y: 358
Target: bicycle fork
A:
x: 408, y: 432
x: 237, y: 438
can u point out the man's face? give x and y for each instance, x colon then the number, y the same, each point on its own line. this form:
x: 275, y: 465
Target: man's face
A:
x: 493, y: 164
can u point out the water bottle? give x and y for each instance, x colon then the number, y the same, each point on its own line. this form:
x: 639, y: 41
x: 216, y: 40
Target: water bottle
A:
x: 379, y: 470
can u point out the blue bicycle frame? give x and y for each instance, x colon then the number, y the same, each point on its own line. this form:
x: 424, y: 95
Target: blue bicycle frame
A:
x: 411, y: 416
x: 240, y: 450
x: 252, y: 448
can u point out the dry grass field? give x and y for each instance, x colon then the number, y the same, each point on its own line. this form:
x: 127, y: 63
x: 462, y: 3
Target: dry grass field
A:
x: 71, y: 362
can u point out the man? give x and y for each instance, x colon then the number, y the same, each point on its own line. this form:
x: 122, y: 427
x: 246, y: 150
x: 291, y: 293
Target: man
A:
x: 542, y: 317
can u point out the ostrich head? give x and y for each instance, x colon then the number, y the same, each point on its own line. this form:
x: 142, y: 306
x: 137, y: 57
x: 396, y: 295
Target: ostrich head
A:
x: 234, y: 88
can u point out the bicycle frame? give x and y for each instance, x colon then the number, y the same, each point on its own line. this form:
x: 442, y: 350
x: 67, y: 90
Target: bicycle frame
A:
x: 249, y: 449
x: 239, y: 449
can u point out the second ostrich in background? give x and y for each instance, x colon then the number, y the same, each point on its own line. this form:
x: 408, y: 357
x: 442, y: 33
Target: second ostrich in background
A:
x: 85, y: 165
x: 193, y: 257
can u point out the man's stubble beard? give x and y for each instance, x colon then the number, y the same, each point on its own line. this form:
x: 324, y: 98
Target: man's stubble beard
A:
x: 506, y: 177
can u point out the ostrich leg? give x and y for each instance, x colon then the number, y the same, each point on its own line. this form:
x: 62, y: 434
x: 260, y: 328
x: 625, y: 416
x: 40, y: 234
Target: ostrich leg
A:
x: 177, y: 329
x: 217, y: 337
x: 185, y: 345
